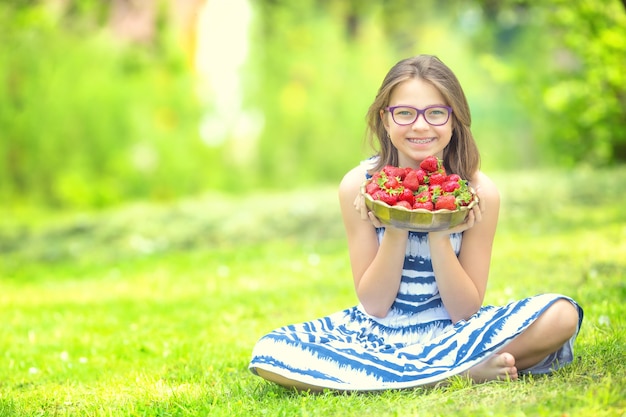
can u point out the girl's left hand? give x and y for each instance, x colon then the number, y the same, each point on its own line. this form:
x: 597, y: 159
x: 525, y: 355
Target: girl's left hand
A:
x: 475, y: 215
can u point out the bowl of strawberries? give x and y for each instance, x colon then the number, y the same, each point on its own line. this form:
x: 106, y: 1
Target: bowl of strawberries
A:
x: 421, y: 200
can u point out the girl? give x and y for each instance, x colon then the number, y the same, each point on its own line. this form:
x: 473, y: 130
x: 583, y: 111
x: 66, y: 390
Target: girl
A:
x: 420, y: 318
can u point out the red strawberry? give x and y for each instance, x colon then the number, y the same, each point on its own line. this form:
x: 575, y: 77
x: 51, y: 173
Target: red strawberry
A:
x: 371, y: 188
x: 463, y: 196
x: 407, y: 195
x: 428, y: 205
x: 421, y: 174
x: 436, y: 178
x: 435, y: 190
x: 405, y: 204
x: 454, y: 177
x: 391, y: 182
x: 379, y: 195
x: 450, y: 186
x: 446, y: 201
x: 393, y: 171
x: 385, y: 197
x: 430, y: 164
x: 412, y: 180
x: 376, y: 176
x: 423, y: 197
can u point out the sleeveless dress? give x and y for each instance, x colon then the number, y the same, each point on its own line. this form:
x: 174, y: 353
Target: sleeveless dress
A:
x: 415, y: 344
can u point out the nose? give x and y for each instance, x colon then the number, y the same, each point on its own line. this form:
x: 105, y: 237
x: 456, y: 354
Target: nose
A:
x: 420, y: 123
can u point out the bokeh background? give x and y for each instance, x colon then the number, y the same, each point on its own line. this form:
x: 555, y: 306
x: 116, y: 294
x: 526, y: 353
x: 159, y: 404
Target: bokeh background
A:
x: 105, y: 102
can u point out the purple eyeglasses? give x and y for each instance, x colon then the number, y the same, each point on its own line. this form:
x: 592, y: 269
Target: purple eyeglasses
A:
x: 407, y: 115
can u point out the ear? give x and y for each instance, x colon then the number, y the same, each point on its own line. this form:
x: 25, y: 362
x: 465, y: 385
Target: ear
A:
x: 384, y: 119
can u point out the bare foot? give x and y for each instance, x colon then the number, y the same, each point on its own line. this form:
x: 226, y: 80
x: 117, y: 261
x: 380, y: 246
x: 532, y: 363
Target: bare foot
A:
x: 500, y: 366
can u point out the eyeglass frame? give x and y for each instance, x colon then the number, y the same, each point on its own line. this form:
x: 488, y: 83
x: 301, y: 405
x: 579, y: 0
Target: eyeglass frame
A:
x: 390, y: 109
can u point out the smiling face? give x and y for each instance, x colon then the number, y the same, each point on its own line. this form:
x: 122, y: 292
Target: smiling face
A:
x: 416, y: 141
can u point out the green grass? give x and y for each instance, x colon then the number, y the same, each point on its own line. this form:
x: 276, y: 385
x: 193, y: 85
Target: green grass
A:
x: 153, y: 310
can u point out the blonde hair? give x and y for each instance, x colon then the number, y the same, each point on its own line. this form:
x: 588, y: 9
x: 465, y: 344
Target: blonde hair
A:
x: 461, y: 155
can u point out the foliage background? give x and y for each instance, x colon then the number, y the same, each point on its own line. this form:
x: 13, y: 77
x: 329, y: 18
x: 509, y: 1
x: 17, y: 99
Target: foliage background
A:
x: 90, y: 120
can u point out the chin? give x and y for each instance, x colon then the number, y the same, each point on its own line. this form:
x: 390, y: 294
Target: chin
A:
x: 419, y: 156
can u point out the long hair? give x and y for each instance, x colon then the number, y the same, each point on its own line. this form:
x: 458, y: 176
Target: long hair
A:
x: 461, y: 155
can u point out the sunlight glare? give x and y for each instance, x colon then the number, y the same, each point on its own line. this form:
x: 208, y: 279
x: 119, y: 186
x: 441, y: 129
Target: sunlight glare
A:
x: 222, y: 50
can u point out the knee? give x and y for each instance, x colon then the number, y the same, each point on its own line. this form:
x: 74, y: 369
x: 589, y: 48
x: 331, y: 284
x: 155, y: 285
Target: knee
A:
x: 565, y: 316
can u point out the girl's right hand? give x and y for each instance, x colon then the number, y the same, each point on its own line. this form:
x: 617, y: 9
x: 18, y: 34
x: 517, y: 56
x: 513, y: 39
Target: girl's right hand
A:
x: 359, y: 205
x: 365, y: 213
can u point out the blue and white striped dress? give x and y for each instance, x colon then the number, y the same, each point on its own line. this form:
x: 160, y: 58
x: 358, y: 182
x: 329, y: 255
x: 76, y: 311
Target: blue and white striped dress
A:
x: 415, y: 344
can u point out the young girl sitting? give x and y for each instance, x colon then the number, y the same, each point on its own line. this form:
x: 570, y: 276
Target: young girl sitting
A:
x: 421, y: 317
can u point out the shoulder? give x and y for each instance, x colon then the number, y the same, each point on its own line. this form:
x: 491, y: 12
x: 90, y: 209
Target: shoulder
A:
x: 485, y: 186
x: 353, y: 179
x: 489, y: 196
x: 350, y: 185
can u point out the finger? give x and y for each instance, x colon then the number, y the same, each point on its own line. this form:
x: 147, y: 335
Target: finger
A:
x: 481, y: 201
x: 374, y: 219
x: 467, y: 224
x: 364, y: 213
x: 477, y: 213
x: 359, y: 205
x: 363, y: 210
x: 471, y: 218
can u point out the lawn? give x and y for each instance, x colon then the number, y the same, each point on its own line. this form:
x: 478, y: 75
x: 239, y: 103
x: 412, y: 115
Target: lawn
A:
x: 152, y: 310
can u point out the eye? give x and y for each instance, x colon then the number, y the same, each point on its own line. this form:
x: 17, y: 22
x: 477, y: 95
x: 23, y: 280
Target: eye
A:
x: 404, y: 111
x: 438, y: 112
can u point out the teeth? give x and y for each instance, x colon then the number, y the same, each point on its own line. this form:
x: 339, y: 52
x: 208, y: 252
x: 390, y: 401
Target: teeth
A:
x: 420, y: 140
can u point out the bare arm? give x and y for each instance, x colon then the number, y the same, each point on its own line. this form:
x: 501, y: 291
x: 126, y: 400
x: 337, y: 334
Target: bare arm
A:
x: 462, y: 281
x: 376, y: 269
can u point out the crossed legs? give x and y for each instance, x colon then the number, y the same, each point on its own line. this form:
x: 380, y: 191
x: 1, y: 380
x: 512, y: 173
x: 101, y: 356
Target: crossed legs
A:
x: 547, y: 334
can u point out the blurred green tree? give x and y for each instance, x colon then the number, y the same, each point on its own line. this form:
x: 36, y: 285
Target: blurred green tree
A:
x: 87, y: 121
x: 567, y: 61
